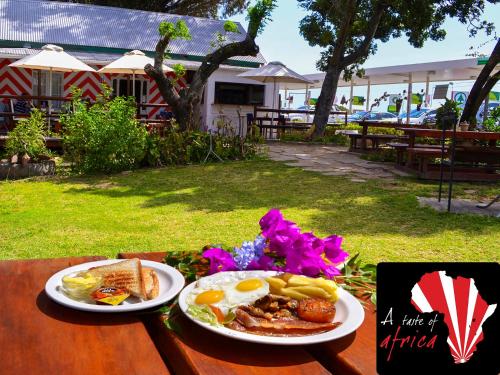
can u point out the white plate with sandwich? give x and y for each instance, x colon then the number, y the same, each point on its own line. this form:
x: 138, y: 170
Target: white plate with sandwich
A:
x: 142, y: 283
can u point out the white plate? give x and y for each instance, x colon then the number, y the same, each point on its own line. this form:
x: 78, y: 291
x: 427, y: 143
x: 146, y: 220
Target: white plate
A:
x: 171, y: 282
x: 349, y: 312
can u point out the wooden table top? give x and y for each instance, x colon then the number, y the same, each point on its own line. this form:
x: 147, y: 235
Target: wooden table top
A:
x: 437, y: 133
x: 39, y: 336
x: 199, y: 351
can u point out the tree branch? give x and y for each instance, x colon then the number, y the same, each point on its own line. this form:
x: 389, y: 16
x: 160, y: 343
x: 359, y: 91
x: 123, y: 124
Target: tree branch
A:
x: 212, y: 61
x: 364, y: 48
x: 164, y: 84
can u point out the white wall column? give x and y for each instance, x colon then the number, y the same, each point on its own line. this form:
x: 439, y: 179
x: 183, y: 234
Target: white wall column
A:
x: 409, y: 95
x: 368, y: 96
x: 306, y: 100
x: 426, y: 100
x: 350, y: 96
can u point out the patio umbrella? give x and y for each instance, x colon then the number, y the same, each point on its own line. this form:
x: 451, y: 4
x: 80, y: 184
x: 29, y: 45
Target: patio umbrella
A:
x: 275, y: 72
x: 132, y: 62
x: 52, y: 58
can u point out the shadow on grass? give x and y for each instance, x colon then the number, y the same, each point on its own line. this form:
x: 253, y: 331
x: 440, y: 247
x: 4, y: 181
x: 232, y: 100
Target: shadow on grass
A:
x: 341, y: 206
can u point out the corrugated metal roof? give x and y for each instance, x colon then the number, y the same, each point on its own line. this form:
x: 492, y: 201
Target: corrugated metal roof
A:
x: 70, y: 24
x: 93, y: 58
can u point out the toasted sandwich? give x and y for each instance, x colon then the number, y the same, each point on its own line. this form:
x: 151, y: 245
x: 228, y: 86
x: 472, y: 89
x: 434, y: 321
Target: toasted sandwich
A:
x: 151, y: 283
x: 126, y: 275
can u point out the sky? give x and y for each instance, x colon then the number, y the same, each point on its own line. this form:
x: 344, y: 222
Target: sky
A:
x: 282, y: 41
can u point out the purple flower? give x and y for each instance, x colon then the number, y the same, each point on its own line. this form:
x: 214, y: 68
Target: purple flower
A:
x: 280, y: 233
x: 244, y: 255
x: 264, y: 263
x: 333, y: 251
x: 220, y: 260
x: 259, y: 245
x: 301, y: 253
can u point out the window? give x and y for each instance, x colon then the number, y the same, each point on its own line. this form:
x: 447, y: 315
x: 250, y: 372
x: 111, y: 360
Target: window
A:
x: 123, y: 87
x: 238, y: 93
x: 57, y: 85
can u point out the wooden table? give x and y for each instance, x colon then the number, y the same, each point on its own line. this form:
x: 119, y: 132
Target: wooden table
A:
x: 375, y: 124
x: 38, y: 336
x: 201, y: 352
x: 481, y: 154
x: 491, y: 137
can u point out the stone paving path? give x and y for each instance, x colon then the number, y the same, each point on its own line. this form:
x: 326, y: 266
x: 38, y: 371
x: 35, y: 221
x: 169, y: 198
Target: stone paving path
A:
x: 331, y: 161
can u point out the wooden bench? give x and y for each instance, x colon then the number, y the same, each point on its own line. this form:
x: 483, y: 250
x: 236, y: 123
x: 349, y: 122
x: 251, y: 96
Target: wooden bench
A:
x: 401, y: 148
x: 423, y: 155
x: 375, y: 139
x: 471, y: 163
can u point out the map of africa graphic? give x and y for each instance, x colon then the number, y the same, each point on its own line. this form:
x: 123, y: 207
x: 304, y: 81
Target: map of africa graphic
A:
x: 465, y: 311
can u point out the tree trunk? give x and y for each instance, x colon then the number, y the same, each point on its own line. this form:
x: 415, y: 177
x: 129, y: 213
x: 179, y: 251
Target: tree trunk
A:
x: 477, y: 93
x: 325, y: 100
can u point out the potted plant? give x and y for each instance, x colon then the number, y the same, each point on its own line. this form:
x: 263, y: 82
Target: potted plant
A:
x: 28, y: 155
x: 447, y: 115
x: 464, y: 126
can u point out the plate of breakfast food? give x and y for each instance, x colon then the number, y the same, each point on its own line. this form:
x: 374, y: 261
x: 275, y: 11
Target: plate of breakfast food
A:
x: 271, y: 308
x: 115, y: 285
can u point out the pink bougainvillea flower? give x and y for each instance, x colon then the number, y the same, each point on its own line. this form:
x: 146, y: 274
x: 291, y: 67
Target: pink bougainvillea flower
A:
x: 220, y: 260
x: 333, y: 249
x: 264, y: 263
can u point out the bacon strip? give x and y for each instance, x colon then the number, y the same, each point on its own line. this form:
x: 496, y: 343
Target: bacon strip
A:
x: 281, y: 326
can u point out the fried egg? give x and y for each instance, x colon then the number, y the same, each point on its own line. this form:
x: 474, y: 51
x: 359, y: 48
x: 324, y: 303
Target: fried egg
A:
x: 246, y: 292
x: 228, y: 290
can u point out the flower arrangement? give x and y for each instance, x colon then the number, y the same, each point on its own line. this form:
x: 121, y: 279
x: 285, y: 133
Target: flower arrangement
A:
x: 281, y: 246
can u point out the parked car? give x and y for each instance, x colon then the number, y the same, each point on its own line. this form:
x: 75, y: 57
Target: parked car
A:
x: 480, y: 112
x: 430, y: 117
x: 303, y: 117
x: 417, y: 116
x: 356, y: 116
x: 372, y: 116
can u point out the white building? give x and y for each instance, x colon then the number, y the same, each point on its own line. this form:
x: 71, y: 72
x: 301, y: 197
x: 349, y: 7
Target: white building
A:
x: 98, y: 35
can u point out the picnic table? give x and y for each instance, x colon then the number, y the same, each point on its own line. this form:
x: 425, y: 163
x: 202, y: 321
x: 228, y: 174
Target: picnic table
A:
x: 491, y: 137
x: 39, y: 336
x: 484, y: 158
x: 375, y: 138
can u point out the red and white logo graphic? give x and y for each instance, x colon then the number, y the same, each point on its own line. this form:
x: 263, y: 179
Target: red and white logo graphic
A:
x: 464, y: 310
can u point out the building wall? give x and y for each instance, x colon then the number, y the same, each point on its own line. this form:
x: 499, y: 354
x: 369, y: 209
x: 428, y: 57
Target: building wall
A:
x: 216, y: 114
x: 15, y: 81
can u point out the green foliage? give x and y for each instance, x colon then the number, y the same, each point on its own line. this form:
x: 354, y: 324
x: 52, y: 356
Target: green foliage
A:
x: 179, y: 30
x: 231, y: 27
x: 105, y: 136
x: 418, y: 21
x: 27, y: 137
x: 447, y: 115
x: 179, y: 70
x: 258, y: 15
x: 492, y: 123
x: 191, y: 147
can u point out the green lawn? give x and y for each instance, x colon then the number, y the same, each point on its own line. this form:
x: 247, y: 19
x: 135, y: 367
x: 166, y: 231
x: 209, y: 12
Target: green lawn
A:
x: 185, y: 208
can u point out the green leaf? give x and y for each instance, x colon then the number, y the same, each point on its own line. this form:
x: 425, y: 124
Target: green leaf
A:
x: 231, y: 27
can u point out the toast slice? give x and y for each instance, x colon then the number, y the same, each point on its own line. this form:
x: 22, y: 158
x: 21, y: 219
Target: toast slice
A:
x: 151, y: 283
x: 125, y: 275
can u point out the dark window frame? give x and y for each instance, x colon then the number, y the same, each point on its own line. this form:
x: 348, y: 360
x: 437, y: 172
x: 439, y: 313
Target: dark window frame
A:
x: 250, y: 94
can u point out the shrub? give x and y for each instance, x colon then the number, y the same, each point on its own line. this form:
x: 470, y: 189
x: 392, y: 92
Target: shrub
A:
x: 492, y: 123
x: 447, y: 115
x: 177, y: 147
x: 105, y: 136
x: 27, y: 137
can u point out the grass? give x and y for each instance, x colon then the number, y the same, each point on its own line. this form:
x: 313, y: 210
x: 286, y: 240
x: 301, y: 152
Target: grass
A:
x: 185, y: 208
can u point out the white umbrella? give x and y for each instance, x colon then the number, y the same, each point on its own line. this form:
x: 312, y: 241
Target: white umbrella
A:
x: 132, y: 62
x: 275, y: 72
x: 52, y: 58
